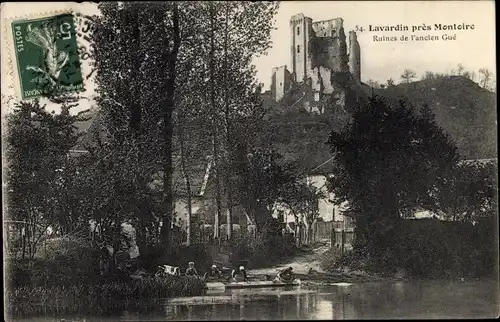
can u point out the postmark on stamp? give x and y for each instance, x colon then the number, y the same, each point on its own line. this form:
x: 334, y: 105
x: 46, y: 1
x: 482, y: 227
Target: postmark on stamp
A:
x: 47, y: 56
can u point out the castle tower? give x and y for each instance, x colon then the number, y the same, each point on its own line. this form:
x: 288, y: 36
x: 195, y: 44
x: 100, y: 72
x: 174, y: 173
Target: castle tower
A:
x: 300, y: 27
x: 354, y: 56
x: 329, y: 47
x: 280, y: 82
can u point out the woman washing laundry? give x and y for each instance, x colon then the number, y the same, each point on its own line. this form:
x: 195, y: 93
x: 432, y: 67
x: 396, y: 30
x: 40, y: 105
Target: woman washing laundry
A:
x: 191, y: 270
x: 213, y: 273
x: 239, y: 271
x: 286, y: 275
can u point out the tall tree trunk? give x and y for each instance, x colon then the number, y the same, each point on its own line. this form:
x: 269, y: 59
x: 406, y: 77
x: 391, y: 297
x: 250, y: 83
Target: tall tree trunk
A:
x: 136, y: 127
x: 214, y: 121
x: 227, y: 119
x: 188, y: 185
x: 168, y: 108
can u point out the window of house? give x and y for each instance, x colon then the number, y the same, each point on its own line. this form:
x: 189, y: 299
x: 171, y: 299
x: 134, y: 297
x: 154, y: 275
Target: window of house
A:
x: 298, y: 49
x: 298, y: 31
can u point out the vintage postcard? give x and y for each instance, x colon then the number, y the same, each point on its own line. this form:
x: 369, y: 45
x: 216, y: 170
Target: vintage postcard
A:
x: 244, y: 160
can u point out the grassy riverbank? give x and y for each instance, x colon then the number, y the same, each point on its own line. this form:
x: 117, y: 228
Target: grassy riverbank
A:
x: 66, y: 278
x: 98, y: 294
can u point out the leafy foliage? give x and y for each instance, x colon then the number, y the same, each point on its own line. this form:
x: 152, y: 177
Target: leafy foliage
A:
x: 388, y: 161
x: 408, y: 75
x: 39, y: 172
x: 470, y: 194
x: 262, y: 181
x: 135, y: 61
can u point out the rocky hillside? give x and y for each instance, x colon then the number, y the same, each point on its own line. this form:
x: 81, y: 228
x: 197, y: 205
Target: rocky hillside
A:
x: 465, y: 111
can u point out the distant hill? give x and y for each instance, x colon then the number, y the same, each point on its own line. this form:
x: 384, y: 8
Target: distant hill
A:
x: 464, y: 110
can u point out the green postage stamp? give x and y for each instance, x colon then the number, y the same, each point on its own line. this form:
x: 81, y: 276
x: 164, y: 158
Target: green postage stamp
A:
x: 46, y: 56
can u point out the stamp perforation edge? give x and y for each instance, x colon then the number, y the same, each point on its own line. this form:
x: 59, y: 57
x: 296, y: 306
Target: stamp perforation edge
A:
x: 10, y: 48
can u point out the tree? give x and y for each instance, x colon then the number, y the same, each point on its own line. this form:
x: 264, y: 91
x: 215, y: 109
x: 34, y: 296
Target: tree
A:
x: 470, y: 192
x: 302, y: 199
x: 40, y: 176
x: 428, y: 75
x: 387, y: 161
x: 460, y: 69
x: 486, y: 76
x: 168, y: 107
x: 262, y: 180
x: 136, y: 60
x: 218, y: 53
x: 238, y: 77
x: 390, y: 82
x: 373, y: 84
x: 408, y: 75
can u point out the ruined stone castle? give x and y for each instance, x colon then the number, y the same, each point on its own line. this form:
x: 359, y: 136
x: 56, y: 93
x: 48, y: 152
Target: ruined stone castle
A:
x: 320, y: 59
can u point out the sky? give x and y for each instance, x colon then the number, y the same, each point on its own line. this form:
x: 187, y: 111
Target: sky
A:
x: 383, y: 60
x: 379, y: 60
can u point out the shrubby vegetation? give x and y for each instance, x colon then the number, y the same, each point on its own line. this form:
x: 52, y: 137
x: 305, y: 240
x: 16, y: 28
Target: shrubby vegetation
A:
x: 484, y: 77
x: 265, y: 249
x: 392, y: 162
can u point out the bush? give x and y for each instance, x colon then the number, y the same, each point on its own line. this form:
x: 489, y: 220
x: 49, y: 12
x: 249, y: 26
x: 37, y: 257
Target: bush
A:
x: 262, y: 250
x: 65, y: 259
x: 433, y: 248
x: 255, y: 250
x: 329, y: 260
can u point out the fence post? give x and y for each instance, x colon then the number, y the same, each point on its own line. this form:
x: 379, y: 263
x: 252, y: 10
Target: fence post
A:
x: 343, y: 240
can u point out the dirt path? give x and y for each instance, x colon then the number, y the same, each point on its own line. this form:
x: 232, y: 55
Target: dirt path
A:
x: 300, y: 263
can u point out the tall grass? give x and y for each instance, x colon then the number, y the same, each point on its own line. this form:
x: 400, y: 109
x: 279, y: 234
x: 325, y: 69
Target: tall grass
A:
x: 99, y: 297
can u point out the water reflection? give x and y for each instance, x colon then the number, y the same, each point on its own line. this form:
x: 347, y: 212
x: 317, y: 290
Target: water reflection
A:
x: 361, y: 301
x: 409, y: 300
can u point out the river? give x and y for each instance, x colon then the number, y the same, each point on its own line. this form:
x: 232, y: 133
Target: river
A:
x: 377, y: 300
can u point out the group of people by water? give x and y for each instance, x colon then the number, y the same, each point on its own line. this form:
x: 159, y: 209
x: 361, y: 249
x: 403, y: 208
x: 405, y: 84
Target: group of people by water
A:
x: 215, y: 273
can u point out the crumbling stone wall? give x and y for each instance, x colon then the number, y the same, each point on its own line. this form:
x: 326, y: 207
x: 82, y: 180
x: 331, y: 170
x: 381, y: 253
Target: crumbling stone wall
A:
x: 281, y: 83
x: 354, y: 56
